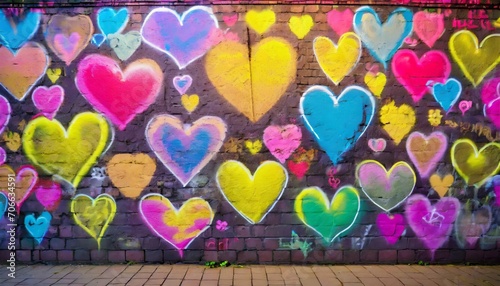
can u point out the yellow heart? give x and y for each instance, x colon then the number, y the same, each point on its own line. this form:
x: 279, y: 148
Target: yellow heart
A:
x: 131, y: 173
x: 337, y: 61
x: 93, y: 215
x: 441, y: 185
x: 190, y: 102
x: 252, y: 196
x: 260, y: 21
x: 54, y: 74
x: 69, y: 154
x: 375, y: 82
x: 301, y: 26
x: 475, y: 60
x: 252, y: 87
x: 397, y: 121
x: 253, y: 146
x: 12, y: 140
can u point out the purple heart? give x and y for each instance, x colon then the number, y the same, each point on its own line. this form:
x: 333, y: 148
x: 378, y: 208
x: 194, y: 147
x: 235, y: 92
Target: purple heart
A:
x: 432, y: 224
x: 391, y: 226
x: 183, y: 38
x: 471, y: 226
x: 182, y: 83
x: 5, y: 112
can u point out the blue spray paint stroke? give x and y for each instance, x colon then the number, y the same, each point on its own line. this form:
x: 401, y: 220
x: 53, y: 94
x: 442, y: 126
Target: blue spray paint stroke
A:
x: 447, y: 94
x: 38, y: 227
x: 3, y: 204
x: 14, y: 38
x: 111, y: 22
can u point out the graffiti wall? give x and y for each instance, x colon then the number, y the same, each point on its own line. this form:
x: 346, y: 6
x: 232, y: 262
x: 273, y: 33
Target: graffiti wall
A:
x: 255, y: 134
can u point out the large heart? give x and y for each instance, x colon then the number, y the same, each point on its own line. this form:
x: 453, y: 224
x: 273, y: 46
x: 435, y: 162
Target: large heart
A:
x: 490, y: 95
x: 426, y: 151
x: 432, y: 224
x: 19, y: 72
x: 397, y: 121
x: 415, y: 74
x: 93, y: 215
x: 49, y: 194
x: 472, y: 225
x: 20, y: 183
x: 252, y: 81
x: 337, y: 122
x: 473, y: 165
x: 383, y: 40
x: 126, y: 94
x: 448, y: 93
x: 125, y: 45
x: 337, y: 61
x: 328, y: 219
x: 252, y: 196
x: 68, y: 36
x: 39, y: 226
x: 48, y: 99
x: 429, y: 27
x: 183, y: 38
x: 474, y: 59
x: 178, y: 227
x: 5, y: 112
x: 67, y: 153
x: 131, y: 173
x: 391, y: 226
x: 14, y: 33
x: 185, y: 149
x: 282, y: 141
x: 110, y: 21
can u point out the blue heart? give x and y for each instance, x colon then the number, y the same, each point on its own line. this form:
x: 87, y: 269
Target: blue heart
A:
x: 383, y: 40
x: 14, y: 37
x: 38, y: 227
x: 448, y: 93
x: 98, y: 39
x: 337, y: 122
x: 3, y: 204
x: 111, y: 22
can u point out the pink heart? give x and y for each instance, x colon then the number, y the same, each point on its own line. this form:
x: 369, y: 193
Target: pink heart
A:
x: 464, y: 105
x: 48, y: 99
x: 26, y: 178
x: 5, y: 111
x: 299, y: 169
x: 429, y: 27
x: 340, y: 22
x: 182, y: 83
x: 432, y: 224
x: 415, y: 74
x: 282, y: 141
x: 334, y: 182
x: 3, y: 156
x: 371, y: 67
x: 490, y: 90
x: 377, y: 145
x: 67, y: 47
x: 49, y: 194
x: 391, y: 226
x: 471, y: 226
x: 230, y: 20
x: 425, y: 152
x: 492, y: 111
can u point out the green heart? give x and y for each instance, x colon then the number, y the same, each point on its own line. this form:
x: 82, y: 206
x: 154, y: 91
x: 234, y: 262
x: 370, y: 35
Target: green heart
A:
x: 328, y: 219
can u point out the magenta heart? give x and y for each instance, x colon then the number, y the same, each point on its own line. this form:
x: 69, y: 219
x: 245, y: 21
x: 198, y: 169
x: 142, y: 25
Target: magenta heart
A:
x: 391, y: 226
x: 471, y: 226
x: 282, y: 141
x: 429, y: 27
x: 334, y: 182
x: 340, y: 22
x: 5, y: 112
x: 48, y: 99
x: 3, y: 155
x: 377, y: 145
x: 49, y: 194
x: 182, y: 83
x: 230, y: 20
x: 432, y: 224
x: 490, y: 90
x: 416, y: 74
x: 492, y: 111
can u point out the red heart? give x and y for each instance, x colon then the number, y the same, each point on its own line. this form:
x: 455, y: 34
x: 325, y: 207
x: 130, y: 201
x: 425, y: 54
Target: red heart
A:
x: 299, y: 169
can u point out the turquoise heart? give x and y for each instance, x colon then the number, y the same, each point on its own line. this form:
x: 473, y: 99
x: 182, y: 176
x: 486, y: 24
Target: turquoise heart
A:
x: 111, y: 22
x: 448, y: 93
x: 125, y: 45
x: 38, y: 227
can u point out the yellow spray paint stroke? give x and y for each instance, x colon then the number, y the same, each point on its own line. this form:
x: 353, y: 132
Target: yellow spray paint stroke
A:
x: 190, y: 102
x: 54, y: 74
x: 474, y: 59
x: 441, y: 184
x: 93, y: 215
x: 131, y: 173
x: 273, y: 67
x: 253, y: 147
x: 252, y: 196
x: 397, y: 121
x: 337, y: 61
x: 301, y: 26
x: 473, y: 165
x: 69, y: 154
x: 260, y: 21
x: 375, y: 82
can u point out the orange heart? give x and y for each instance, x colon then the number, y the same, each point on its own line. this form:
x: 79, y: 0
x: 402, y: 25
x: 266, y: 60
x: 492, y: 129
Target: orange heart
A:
x: 131, y: 173
x: 441, y: 185
x: 20, y: 183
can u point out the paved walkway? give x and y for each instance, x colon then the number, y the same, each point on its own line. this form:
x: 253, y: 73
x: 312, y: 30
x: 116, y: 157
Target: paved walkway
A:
x: 174, y: 275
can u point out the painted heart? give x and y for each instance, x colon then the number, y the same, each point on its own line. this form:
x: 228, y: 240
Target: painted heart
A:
x: 178, y: 227
x: 183, y: 38
x: 125, y: 45
x: 441, y: 184
x: 429, y: 27
x: 131, y: 173
x: 496, y: 189
x: 54, y: 74
x: 425, y: 152
x: 252, y: 84
x: 384, y: 40
x: 414, y: 73
x: 253, y: 147
x: 4, y: 201
x: 340, y: 22
x: 447, y: 94
x: 474, y: 59
x: 67, y: 153
x: 391, y: 226
x: 386, y: 189
x: 260, y: 21
x: 230, y: 20
x: 464, y: 105
x: 93, y: 215
x: 3, y: 156
x: 21, y: 71
x: 15, y: 32
x: 337, y: 122
x: 375, y: 82
x: 432, y: 224
x: 25, y: 180
x: 185, y: 149
x: 253, y: 196
x: 397, y: 121
x: 282, y: 141
x: 377, y: 145
x: 473, y: 165
x: 98, y: 39
x: 299, y: 169
x: 490, y: 90
x: 39, y: 226
x: 492, y: 111
x: 68, y: 36
x: 337, y: 61
x: 5, y: 112
x: 110, y: 21
x: 472, y: 225
x: 328, y: 219
x: 190, y: 102
x: 182, y: 83
x: 126, y: 94
x: 300, y: 26
x: 48, y: 99
x: 49, y: 194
